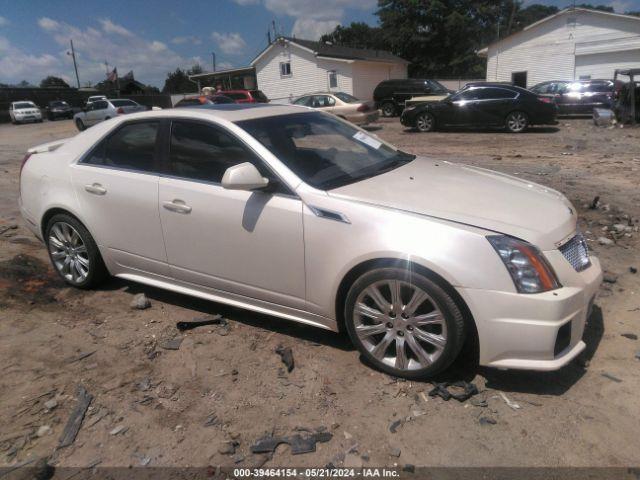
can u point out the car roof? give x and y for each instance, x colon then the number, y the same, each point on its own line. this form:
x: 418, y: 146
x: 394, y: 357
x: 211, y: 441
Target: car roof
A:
x: 232, y: 112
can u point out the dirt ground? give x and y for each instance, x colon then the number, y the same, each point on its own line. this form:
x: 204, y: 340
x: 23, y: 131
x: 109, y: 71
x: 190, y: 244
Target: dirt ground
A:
x: 226, y: 384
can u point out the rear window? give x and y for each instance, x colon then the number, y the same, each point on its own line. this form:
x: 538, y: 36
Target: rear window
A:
x: 188, y: 101
x: 131, y: 147
x: 259, y: 96
x: 599, y: 87
x: 123, y: 103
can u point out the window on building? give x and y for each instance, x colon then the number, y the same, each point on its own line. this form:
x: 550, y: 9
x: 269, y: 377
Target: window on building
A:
x: 333, y: 79
x: 285, y: 69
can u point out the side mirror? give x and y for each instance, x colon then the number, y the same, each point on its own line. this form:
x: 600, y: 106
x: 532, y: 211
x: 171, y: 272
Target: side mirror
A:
x: 244, y: 176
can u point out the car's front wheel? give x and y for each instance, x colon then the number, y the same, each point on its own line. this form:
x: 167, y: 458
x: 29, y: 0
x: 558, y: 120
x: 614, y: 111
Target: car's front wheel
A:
x: 404, y: 323
x: 388, y: 109
x: 73, y: 252
x: 425, y: 122
x: 80, y: 125
x: 517, y: 122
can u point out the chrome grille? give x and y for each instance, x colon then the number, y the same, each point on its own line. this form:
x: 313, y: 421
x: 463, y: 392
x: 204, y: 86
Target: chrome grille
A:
x: 576, y: 252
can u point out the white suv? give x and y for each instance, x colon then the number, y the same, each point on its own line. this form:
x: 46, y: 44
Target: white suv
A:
x: 296, y: 213
x: 24, y: 111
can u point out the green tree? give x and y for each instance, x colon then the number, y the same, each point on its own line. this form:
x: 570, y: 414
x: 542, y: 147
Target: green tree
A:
x: 178, y: 81
x: 357, y: 35
x: 52, y: 81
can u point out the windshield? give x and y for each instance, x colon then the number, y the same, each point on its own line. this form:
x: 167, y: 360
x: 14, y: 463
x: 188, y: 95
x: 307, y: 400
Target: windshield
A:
x: 323, y: 151
x: 346, y: 98
x: 20, y: 105
x: 123, y: 103
x: 438, y: 87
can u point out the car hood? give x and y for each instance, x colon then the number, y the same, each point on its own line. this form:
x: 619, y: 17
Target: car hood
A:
x: 472, y: 196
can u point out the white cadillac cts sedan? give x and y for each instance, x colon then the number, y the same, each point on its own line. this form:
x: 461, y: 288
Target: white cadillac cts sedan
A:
x: 295, y: 213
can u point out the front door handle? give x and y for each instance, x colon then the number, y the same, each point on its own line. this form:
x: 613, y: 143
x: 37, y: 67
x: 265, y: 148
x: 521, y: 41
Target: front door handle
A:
x: 96, y: 189
x: 177, y: 206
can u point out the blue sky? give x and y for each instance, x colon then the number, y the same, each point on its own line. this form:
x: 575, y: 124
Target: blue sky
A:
x: 154, y: 37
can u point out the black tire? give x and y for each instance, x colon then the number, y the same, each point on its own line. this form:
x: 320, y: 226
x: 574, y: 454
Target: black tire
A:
x: 389, y: 109
x: 425, y: 122
x: 451, y: 318
x: 97, y: 271
x: 516, y: 122
x: 80, y: 125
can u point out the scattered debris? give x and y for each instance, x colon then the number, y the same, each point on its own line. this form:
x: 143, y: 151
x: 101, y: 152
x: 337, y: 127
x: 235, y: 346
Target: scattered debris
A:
x: 611, y: 377
x: 43, y: 430
x: 298, y: 443
x: 286, y: 354
x: 393, y: 428
x: 75, y: 420
x: 6, y: 228
x: 476, y: 402
x: 80, y: 357
x: 228, y: 448
x: 594, y: 203
x: 408, y: 467
x: 212, y: 421
x: 487, y: 421
x: 51, y: 404
x: 638, y: 355
x: 214, y: 320
x: 172, y: 344
x: 609, y: 277
x: 395, y: 452
x: 117, y: 430
x: 633, y: 270
x: 140, y: 302
x: 605, y: 241
x: 630, y: 336
x: 460, y: 390
x: 513, y: 405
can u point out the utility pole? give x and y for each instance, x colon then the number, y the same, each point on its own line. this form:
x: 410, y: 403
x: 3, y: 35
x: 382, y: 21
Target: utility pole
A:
x: 213, y: 60
x: 75, y: 65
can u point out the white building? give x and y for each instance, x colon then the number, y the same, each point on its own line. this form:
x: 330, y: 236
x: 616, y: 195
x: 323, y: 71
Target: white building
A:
x: 574, y: 44
x: 290, y: 67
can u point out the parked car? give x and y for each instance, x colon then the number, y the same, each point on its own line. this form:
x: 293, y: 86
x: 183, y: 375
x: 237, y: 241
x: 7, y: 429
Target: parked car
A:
x: 295, y: 213
x: 58, y: 109
x: 390, y: 95
x: 24, y: 111
x: 100, y: 110
x: 490, y: 105
x: 95, y: 98
x: 342, y: 105
x: 203, y: 100
x: 578, y: 98
x: 245, y: 96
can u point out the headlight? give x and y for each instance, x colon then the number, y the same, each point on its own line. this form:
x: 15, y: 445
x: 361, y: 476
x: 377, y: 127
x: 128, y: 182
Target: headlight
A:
x: 530, y: 271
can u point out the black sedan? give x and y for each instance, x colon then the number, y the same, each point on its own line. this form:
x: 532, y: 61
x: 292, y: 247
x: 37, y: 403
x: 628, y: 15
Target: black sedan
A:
x: 578, y: 98
x: 58, y: 109
x: 488, y: 105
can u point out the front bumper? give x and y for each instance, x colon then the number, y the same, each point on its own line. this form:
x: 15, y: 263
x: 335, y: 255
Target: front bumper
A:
x: 520, y: 331
x: 364, y: 118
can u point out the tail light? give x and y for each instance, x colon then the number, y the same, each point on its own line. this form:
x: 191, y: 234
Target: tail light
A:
x: 545, y: 99
x: 24, y: 162
x: 120, y: 111
x: 363, y: 108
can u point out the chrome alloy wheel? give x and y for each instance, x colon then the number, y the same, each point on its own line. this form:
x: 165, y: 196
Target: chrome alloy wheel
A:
x: 400, y: 324
x: 424, y: 123
x: 69, y: 253
x: 517, y: 121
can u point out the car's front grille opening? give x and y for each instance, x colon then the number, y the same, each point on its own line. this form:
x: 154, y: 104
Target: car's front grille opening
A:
x: 563, y: 339
x: 576, y: 252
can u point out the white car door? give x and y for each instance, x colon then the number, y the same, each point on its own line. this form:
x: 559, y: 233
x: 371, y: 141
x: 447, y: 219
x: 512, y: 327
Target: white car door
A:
x: 96, y: 112
x: 246, y: 243
x: 117, y: 187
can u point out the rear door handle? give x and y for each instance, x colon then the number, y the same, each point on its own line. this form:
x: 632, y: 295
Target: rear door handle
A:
x: 96, y: 189
x: 177, y: 206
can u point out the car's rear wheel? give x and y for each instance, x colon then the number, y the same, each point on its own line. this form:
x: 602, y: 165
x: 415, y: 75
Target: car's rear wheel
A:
x: 425, y: 122
x: 73, y: 252
x: 80, y: 125
x: 517, y: 122
x: 404, y: 323
x: 388, y: 109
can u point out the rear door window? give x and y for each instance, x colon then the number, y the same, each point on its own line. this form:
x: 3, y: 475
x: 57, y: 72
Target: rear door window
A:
x: 495, y: 94
x: 131, y: 147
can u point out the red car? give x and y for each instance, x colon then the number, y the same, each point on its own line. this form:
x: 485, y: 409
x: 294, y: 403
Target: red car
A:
x: 203, y: 100
x: 246, y: 96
